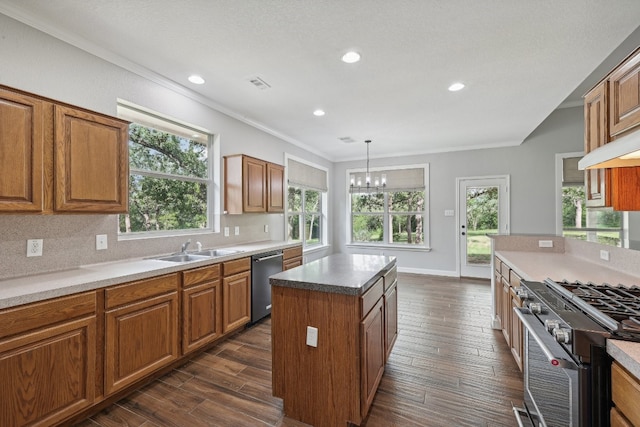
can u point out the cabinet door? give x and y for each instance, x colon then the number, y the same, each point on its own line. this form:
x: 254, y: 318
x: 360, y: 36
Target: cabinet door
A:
x: 275, y: 188
x: 202, y: 315
x: 372, y: 360
x: 254, y: 189
x: 291, y: 263
x: 624, y: 96
x: 139, y: 339
x: 49, y: 374
x: 91, y: 162
x: 506, y: 307
x: 390, y: 318
x: 596, y: 134
x: 516, y: 329
x: 236, y: 293
x: 21, y: 152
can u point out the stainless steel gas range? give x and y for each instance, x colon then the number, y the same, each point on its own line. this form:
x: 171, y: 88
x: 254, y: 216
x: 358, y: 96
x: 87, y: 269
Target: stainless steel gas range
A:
x: 566, y: 367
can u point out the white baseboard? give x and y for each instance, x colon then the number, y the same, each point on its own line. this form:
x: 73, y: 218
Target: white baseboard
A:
x: 445, y: 273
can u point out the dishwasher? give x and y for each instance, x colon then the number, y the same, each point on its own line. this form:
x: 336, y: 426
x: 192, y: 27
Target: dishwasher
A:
x: 263, y: 266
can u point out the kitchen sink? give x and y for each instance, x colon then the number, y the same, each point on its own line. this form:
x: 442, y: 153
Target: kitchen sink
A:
x: 183, y: 258
x: 211, y: 253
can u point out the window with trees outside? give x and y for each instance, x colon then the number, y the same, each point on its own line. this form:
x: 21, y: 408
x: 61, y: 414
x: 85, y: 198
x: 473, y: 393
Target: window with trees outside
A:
x: 394, y: 215
x: 306, y: 202
x: 169, y: 178
x: 600, y: 225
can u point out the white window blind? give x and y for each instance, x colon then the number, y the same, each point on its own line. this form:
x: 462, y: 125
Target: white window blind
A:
x: 306, y: 176
x: 571, y: 175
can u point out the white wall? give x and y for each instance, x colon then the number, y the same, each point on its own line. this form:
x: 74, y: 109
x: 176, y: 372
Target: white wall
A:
x: 35, y: 62
x: 530, y: 167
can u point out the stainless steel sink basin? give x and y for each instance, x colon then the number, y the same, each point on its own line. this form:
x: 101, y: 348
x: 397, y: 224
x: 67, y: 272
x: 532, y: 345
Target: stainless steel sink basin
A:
x: 183, y: 257
x: 211, y: 253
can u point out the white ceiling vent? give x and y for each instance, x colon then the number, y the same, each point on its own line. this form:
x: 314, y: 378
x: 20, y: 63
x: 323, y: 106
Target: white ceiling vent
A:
x: 347, y: 139
x: 258, y: 82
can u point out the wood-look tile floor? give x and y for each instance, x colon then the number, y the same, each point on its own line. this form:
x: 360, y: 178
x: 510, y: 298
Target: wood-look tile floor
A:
x: 448, y: 368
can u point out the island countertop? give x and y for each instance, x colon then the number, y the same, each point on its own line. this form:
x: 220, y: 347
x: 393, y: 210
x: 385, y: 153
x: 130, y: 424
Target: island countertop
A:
x: 349, y: 274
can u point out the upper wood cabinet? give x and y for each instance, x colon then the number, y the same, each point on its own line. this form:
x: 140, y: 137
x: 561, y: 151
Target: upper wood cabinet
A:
x: 252, y: 185
x: 22, y: 136
x: 91, y: 162
x: 596, y: 134
x: 624, y: 95
x: 56, y: 158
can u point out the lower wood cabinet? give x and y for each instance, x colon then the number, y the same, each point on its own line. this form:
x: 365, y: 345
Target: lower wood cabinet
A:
x: 625, y: 393
x: 507, y: 283
x: 236, y: 294
x: 291, y: 258
x: 141, y: 330
x: 516, y: 342
x: 390, y: 318
x: 47, y: 360
x: 372, y: 332
x: 201, y: 307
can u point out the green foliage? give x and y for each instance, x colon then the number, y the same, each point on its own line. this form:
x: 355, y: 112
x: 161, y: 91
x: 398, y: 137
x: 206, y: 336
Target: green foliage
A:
x: 174, y: 202
x: 482, y: 208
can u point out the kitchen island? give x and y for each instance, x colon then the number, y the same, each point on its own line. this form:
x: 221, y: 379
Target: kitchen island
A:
x: 333, y: 323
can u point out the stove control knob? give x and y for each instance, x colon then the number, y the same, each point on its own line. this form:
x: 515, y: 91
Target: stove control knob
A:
x: 535, y: 307
x: 523, y: 294
x: 562, y: 335
x: 551, y: 324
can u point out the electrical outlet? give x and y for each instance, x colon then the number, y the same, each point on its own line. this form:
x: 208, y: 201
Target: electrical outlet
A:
x: 237, y: 230
x: 312, y: 336
x: 545, y: 243
x: 604, y: 255
x: 226, y: 232
x: 101, y: 242
x: 34, y: 247
x: 266, y: 228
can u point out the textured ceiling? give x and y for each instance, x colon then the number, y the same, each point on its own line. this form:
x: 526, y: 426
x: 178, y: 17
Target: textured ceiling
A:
x: 520, y: 59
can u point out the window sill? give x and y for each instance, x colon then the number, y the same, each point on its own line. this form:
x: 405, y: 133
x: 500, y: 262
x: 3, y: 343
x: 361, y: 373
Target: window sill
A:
x: 375, y: 246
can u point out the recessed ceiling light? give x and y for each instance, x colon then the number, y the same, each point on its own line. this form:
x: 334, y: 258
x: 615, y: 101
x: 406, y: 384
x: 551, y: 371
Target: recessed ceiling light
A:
x: 456, y: 87
x: 195, y: 79
x: 351, y: 57
x: 318, y: 113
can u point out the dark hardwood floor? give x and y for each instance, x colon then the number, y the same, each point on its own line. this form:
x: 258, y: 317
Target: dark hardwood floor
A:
x: 448, y: 368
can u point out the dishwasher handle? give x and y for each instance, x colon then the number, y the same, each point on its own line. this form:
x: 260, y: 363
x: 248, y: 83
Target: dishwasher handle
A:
x: 268, y: 257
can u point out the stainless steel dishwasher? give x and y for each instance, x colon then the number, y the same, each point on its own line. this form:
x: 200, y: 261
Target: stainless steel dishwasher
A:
x: 263, y: 266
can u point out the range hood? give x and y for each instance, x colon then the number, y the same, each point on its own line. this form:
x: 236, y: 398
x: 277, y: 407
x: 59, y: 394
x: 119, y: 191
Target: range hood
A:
x: 623, y: 152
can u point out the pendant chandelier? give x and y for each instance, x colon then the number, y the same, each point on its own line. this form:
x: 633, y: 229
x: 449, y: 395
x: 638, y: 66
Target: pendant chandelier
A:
x: 378, y: 182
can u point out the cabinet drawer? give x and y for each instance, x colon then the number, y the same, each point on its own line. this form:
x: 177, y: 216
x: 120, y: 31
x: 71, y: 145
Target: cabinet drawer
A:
x: 199, y: 275
x: 46, y: 313
x: 371, y: 297
x: 625, y: 392
x: 390, y: 277
x: 292, y: 252
x: 236, y: 266
x: 291, y: 263
x: 514, y: 279
x: 143, y: 289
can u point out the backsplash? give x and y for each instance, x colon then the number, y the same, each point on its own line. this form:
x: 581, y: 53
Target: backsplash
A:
x: 70, y: 240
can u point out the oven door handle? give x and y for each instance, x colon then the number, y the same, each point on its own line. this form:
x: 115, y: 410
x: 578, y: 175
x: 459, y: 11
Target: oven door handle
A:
x: 525, y: 315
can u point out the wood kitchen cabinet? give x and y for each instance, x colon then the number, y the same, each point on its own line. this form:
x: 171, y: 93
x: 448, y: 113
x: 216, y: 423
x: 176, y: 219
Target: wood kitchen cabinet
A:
x: 516, y: 327
x: 236, y: 293
x: 201, y: 307
x: 252, y: 185
x: 596, y: 134
x: 625, y: 393
x: 624, y: 96
x: 291, y: 258
x: 57, y: 158
x: 141, y: 329
x: 507, y: 283
x: 47, y: 360
x: 390, y: 310
x: 372, y: 332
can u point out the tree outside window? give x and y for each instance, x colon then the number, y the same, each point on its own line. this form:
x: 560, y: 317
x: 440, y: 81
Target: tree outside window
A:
x: 304, y: 216
x: 603, y: 226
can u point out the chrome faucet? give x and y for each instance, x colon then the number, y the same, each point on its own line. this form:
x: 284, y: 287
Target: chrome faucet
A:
x: 185, y: 245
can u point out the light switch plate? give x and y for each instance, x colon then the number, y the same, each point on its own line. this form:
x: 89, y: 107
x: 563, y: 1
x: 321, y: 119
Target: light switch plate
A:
x: 237, y: 230
x: 604, y: 255
x: 266, y: 228
x: 448, y: 212
x: 545, y: 243
x: 226, y: 232
x: 101, y: 242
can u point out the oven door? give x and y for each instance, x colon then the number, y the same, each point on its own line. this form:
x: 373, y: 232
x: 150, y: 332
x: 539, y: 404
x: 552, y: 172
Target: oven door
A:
x: 551, y: 378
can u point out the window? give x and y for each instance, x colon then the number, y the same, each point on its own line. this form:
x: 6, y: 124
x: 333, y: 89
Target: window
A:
x: 169, y: 178
x: 396, y: 215
x: 306, y: 203
x: 600, y: 225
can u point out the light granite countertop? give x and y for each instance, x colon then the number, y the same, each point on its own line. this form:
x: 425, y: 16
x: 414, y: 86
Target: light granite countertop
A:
x: 338, y: 273
x: 538, y: 266
x: 27, y: 289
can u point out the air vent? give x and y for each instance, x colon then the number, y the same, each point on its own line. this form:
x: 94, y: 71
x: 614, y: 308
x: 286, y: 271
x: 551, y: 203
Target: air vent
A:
x: 258, y: 82
x: 347, y: 139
